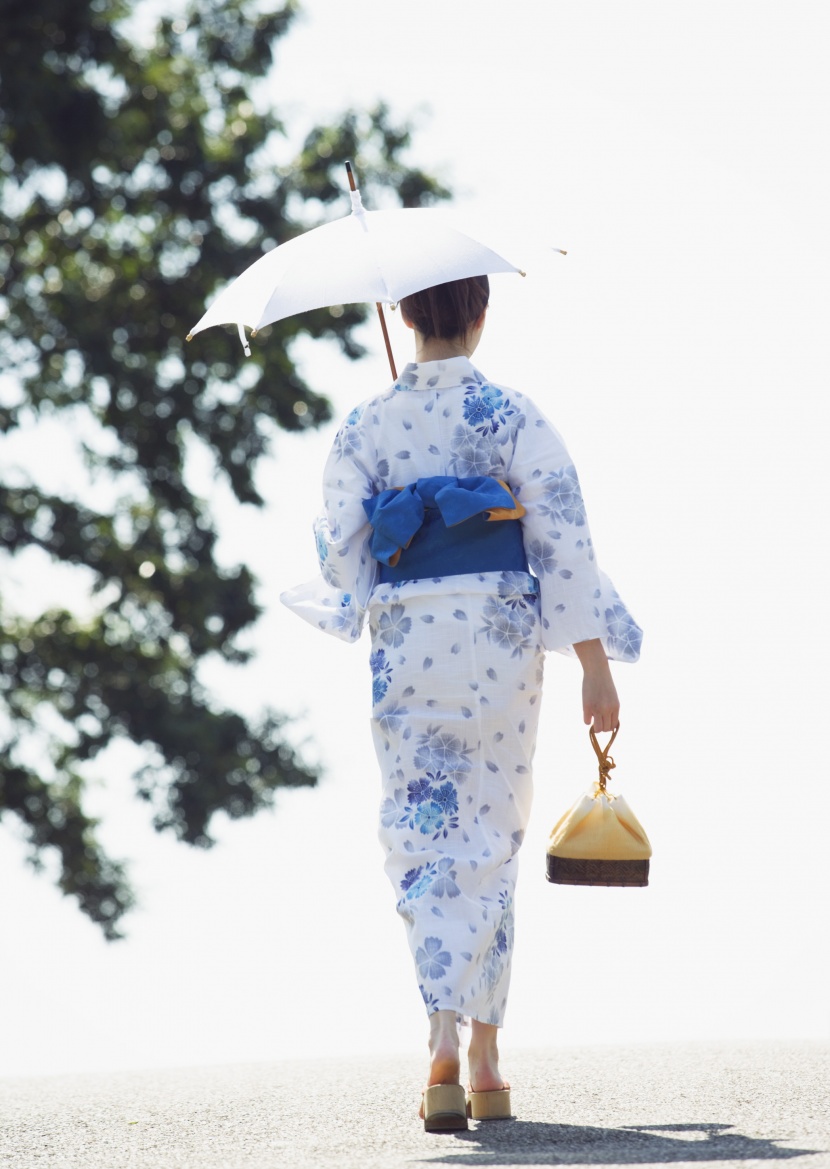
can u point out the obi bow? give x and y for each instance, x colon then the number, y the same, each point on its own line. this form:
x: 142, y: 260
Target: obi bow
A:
x: 397, y: 513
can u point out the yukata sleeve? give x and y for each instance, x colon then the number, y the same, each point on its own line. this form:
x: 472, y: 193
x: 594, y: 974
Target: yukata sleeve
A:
x: 336, y: 600
x: 578, y: 600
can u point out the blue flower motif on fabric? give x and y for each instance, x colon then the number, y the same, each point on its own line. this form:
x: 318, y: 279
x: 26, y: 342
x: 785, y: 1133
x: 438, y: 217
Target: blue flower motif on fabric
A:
x: 410, y: 877
x: 540, y: 557
x: 419, y: 790
x: 486, y: 409
x: 380, y: 665
x: 323, y: 536
x: 381, y: 675
x: 429, y: 818
x: 391, y: 808
x: 498, y: 953
x: 492, y: 969
x: 445, y: 883
x: 476, y: 410
x: 507, y: 627
x: 563, y: 497
x: 391, y: 719
x: 432, y: 961
x: 624, y: 634
x: 474, y: 454
x: 346, y: 617
x: 433, y: 805
x: 438, y: 879
x: 394, y: 625
x: 446, y: 797
x: 443, y: 751
x: 432, y: 1003
x: 347, y: 440
x: 517, y: 589
x: 417, y: 881
x: 407, y: 379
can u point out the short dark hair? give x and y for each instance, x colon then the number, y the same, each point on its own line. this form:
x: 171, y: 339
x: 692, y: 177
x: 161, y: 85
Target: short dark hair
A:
x: 447, y: 310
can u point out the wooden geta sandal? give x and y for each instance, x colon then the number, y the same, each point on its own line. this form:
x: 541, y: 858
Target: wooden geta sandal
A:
x: 445, y: 1108
x: 489, y: 1105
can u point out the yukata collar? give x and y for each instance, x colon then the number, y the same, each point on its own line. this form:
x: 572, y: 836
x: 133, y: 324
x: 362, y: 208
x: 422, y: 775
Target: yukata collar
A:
x: 439, y: 375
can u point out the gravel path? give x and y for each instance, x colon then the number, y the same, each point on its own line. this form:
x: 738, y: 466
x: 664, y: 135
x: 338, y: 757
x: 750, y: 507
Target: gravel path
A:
x: 657, y: 1105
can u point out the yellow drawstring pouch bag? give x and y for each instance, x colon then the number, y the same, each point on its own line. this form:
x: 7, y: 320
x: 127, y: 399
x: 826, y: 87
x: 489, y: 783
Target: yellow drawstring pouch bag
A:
x: 599, y: 841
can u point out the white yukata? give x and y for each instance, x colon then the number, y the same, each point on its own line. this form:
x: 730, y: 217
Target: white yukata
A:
x: 456, y: 661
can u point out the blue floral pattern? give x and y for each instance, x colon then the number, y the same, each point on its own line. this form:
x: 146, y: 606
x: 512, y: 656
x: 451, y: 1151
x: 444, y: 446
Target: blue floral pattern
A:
x: 508, y: 626
x: 474, y: 454
x: 432, y: 806
x: 394, y: 625
x: 433, y: 962
x: 456, y: 663
x: 443, y: 751
x: 485, y: 408
x: 563, y: 497
x: 624, y: 634
x: 381, y: 675
x: 541, y: 557
x: 457, y: 790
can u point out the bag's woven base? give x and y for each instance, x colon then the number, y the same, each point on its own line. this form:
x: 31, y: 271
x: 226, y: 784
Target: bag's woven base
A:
x: 566, y: 871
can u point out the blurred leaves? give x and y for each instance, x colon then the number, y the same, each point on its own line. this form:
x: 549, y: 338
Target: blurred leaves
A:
x: 138, y: 173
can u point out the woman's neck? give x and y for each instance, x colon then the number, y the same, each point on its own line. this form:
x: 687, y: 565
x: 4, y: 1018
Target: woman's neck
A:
x: 438, y: 349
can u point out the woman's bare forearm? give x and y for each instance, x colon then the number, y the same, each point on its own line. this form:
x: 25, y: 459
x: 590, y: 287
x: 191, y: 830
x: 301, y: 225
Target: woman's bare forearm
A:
x: 600, y: 704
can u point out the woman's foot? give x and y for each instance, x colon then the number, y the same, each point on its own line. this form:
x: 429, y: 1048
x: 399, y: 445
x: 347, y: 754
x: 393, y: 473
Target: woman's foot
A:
x: 483, y: 1058
x: 444, y: 1057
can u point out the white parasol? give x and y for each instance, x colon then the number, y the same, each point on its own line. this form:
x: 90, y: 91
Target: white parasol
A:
x: 379, y: 256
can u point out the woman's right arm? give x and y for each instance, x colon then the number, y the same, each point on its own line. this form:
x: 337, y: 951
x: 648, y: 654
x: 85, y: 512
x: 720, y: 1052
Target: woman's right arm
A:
x: 579, y: 602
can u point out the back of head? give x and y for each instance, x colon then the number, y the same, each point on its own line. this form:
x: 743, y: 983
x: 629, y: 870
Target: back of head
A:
x: 447, y: 310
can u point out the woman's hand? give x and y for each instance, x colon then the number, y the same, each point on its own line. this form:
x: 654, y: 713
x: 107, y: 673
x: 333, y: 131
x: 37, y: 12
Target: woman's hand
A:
x: 600, y: 703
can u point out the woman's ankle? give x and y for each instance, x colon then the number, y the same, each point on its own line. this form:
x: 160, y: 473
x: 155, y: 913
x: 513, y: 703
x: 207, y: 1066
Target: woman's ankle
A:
x: 484, y: 1040
x: 444, y: 1049
x: 443, y: 1030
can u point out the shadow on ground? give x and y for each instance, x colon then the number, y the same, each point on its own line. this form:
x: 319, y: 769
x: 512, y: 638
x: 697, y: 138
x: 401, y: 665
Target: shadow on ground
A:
x: 533, y: 1143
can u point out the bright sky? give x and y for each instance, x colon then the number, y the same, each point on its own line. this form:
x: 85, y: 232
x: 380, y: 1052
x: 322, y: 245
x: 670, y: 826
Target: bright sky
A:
x: 675, y: 152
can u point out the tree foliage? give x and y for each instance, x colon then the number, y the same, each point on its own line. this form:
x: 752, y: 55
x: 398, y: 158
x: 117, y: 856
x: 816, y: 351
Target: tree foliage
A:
x: 139, y: 170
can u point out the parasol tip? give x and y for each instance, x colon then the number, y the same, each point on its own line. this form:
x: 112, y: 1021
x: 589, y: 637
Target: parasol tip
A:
x: 352, y: 185
x: 246, y: 348
x: 189, y: 337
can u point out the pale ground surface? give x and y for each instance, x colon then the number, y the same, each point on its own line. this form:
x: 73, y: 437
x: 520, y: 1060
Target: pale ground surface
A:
x: 653, y: 1105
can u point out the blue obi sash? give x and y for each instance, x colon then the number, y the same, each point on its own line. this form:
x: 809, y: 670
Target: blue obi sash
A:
x: 443, y: 526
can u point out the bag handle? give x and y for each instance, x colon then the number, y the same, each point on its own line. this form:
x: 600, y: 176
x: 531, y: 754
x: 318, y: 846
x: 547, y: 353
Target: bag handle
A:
x: 606, y: 763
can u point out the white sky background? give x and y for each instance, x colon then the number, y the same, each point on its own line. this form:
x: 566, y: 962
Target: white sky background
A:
x: 676, y: 152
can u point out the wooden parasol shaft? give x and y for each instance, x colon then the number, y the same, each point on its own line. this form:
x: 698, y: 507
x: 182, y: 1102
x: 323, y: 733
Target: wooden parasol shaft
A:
x: 378, y: 305
x: 386, y: 340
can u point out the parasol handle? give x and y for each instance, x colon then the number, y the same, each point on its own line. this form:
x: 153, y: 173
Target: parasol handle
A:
x: 387, y: 342
x: 378, y: 305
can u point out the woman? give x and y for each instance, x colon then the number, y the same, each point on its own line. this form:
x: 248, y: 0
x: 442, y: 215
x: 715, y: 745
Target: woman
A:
x: 453, y: 518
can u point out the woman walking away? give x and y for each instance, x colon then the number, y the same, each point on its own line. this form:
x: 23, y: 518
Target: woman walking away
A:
x: 454, y: 519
